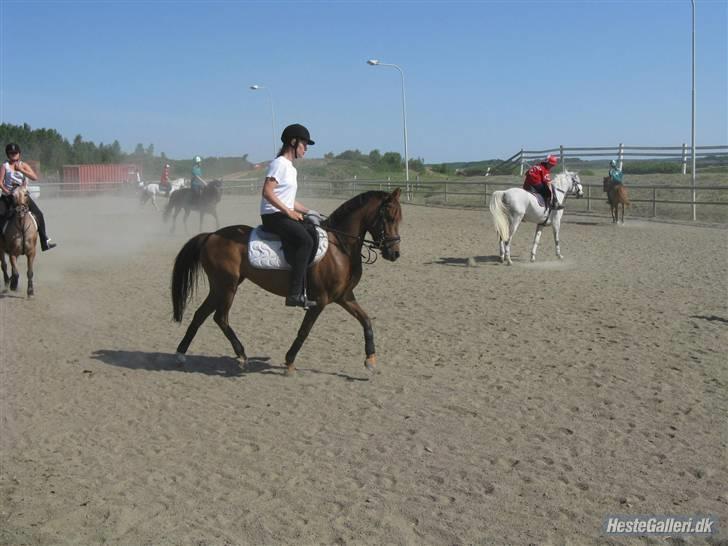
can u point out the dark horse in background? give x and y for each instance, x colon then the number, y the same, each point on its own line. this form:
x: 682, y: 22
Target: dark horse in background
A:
x: 186, y: 198
x: 224, y: 257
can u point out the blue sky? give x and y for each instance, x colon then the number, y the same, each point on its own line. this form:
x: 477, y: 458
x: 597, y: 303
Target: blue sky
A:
x: 483, y: 79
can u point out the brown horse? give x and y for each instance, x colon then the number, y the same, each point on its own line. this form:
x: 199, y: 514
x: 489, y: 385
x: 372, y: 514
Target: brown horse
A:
x: 186, y: 198
x: 19, y: 238
x: 224, y: 257
x: 616, y: 195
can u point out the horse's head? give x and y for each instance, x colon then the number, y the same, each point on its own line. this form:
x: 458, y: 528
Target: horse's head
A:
x: 384, y: 226
x: 576, y: 187
x: 20, y: 198
x: 214, y: 188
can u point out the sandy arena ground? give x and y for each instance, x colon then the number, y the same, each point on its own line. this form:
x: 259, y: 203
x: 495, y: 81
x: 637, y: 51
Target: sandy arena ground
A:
x: 514, y: 405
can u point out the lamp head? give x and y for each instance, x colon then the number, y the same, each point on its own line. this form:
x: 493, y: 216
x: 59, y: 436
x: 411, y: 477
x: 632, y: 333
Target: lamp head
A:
x: 373, y: 62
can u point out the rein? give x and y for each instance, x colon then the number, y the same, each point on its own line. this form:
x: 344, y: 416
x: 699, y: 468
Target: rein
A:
x: 372, y: 245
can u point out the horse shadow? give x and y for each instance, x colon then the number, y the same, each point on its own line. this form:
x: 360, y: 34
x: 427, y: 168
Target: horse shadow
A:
x: 464, y: 262
x: 222, y: 366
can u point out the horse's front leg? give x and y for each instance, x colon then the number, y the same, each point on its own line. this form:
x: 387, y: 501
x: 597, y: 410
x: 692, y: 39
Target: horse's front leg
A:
x: 6, y: 277
x: 354, y: 309
x: 184, y: 220
x: 154, y: 202
x: 30, y: 256
x: 536, y: 240
x: 14, y: 275
x: 309, y: 320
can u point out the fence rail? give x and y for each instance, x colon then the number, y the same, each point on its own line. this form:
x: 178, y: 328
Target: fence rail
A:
x: 458, y: 192
x: 682, y: 153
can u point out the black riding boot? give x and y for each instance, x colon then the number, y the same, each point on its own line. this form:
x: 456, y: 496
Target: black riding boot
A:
x: 44, y: 244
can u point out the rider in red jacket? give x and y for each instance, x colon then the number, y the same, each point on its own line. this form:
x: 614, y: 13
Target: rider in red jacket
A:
x: 538, y: 180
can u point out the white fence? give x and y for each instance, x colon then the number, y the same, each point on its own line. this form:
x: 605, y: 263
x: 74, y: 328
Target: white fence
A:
x: 666, y: 153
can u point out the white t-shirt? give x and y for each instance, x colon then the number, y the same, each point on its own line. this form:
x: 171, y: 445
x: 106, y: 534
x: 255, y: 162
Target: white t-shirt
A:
x: 285, y: 173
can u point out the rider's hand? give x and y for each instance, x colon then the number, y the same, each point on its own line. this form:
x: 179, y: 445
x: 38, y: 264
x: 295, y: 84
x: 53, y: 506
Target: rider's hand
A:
x: 295, y: 215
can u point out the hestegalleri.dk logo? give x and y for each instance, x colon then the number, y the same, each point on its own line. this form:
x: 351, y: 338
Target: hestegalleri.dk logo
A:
x: 660, y: 525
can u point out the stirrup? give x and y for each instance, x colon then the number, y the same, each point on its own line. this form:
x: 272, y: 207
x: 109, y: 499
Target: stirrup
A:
x: 300, y: 301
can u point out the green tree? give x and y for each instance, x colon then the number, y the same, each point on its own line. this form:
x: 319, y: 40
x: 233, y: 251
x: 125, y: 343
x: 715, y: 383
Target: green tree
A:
x: 392, y: 160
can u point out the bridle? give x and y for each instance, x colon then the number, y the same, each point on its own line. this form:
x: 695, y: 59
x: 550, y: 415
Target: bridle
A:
x: 380, y: 242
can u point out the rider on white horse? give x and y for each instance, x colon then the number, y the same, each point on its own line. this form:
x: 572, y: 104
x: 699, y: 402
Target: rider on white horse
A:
x: 538, y: 180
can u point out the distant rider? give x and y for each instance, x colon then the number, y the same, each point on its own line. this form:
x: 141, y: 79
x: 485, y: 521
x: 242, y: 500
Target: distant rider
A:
x: 538, y: 180
x: 13, y: 174
x: 197, y: 183
x: 164, y: 184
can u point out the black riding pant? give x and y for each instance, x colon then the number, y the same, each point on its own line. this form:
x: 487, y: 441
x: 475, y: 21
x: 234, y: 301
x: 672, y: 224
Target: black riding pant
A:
x: 298, y: 246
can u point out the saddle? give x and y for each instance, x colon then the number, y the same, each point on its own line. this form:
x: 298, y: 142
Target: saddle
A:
x: 539, y: 196
x: 265, y: 250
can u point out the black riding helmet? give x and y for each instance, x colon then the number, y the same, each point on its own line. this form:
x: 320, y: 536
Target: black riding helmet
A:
x: 296, y: 131
x: 12, y: 148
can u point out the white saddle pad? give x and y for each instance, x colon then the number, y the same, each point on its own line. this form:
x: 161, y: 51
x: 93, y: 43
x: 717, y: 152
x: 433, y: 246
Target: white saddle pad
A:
x: 265, y: 250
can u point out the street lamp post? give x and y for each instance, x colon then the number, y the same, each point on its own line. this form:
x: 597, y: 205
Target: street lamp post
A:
x: 692, y: 124
x: 272, y: 114
x: 375, y: 62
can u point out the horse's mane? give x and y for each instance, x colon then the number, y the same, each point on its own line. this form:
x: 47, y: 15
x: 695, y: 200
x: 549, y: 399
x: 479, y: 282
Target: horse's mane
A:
x: 565, y: 174
x: 353, y: 204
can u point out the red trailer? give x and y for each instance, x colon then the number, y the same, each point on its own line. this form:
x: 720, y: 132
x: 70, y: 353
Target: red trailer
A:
x: 99, y: 177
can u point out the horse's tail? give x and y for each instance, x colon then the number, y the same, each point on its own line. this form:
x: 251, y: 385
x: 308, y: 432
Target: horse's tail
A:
x: 500, y: 218
x: 170, y: 205
x: 184, y: 274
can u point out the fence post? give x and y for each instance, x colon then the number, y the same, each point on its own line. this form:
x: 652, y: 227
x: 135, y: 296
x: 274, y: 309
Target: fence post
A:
x: 521, y: 162
x: 684, y: 159
x: 561, y: 157
x: 588, y: 198
x: 620, y: 155
x: 654, y: 202
x: 445, y: 192
x: 485, y: 193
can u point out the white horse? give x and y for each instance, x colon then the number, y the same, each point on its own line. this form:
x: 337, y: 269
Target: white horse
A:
x: 150, y: 191
x: 510, y: 207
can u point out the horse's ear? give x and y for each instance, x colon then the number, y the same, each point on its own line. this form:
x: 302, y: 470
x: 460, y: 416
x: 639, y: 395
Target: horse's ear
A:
x: 395, y: 194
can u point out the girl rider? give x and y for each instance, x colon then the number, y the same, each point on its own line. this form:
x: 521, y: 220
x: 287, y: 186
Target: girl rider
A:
x: 13, y: 173
x: 283, y: 215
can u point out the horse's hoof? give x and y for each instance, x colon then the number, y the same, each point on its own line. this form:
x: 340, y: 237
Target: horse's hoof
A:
x: 290, y: 370
x: 533, y: 259
x: 370, y: 363
x: 560, y: 257
x: 181, y: 358
x: 509, y: 262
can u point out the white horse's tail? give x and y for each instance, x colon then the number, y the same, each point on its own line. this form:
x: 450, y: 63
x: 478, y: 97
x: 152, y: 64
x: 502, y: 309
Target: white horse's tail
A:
x: 500, y: 217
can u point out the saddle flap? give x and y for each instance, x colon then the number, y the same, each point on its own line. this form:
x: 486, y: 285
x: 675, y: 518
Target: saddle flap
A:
x: 265, y: 250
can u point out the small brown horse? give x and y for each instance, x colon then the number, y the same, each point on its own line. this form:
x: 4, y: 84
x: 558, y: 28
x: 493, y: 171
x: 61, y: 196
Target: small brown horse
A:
x: 186, y: 198
x: 616, y: 195
x: 19, y: 238
x: 224, y: 257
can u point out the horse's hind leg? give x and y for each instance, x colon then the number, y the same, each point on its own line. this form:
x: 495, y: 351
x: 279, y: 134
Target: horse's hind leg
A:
x: 222, y: 312
x: 536, y: 239
x: 203, y: 311
x: 308, y: 321
x: 515, y: 222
